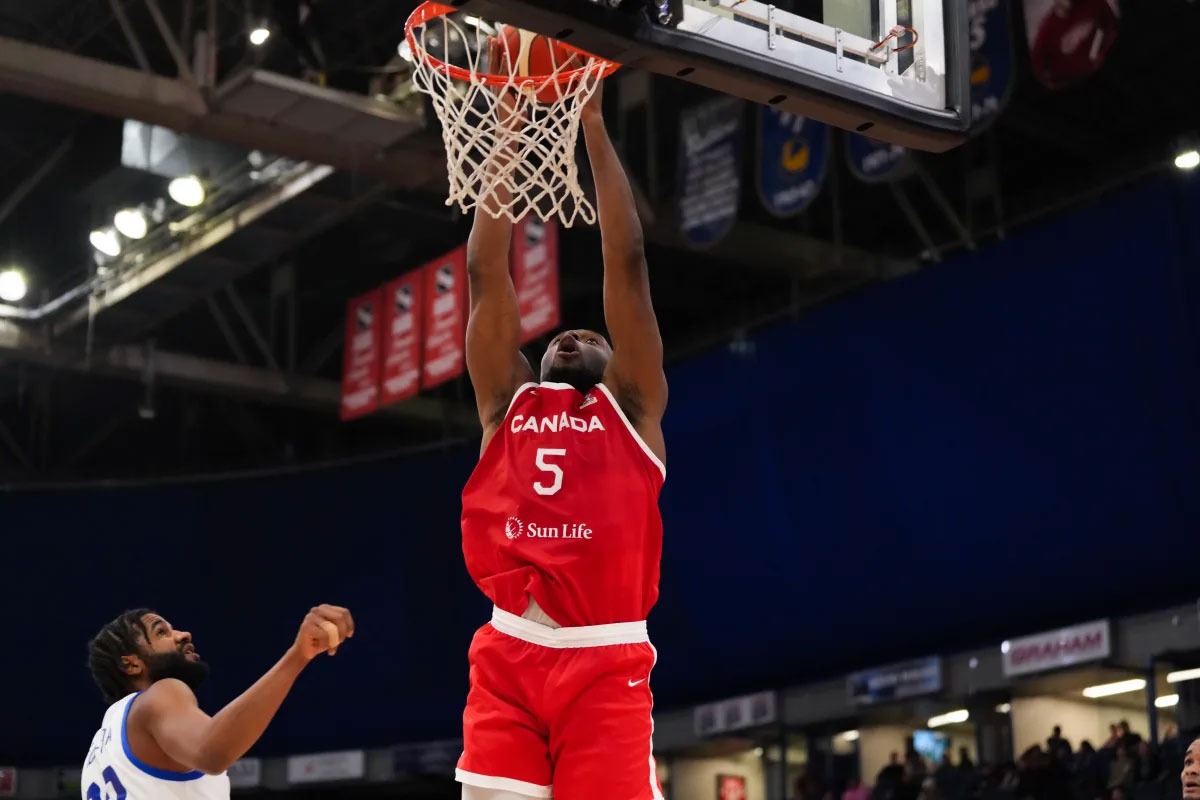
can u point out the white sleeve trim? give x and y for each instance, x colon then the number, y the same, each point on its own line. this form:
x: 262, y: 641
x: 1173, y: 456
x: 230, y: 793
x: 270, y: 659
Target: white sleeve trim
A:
x: 503, y: 784
x: 633, y: 431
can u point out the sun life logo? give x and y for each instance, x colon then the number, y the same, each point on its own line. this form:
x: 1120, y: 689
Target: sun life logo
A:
x: 513, y: 528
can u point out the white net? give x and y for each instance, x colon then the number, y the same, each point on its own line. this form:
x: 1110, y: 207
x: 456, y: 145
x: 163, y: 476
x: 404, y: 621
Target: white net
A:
x: 510, y: 136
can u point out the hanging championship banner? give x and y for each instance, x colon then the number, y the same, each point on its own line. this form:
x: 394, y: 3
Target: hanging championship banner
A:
x: 1069, y: 39
x: 991, y: 60
x: 874, y: 161
x: 710, y: 169
x: 445, y: 317
x: 535, y: 275
x: 401, y: 339
x: 793, y: 154
x: 360, y: 356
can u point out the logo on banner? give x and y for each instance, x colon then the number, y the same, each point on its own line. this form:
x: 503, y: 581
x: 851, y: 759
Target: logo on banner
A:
x: 895, y: 682
x: 710, y: 166
x: 991, y: 60
x: 365, y: 316
x: 404, y: 299
x: 874, y: 161
x: 793, y: 154
x: 535, y: 231
x: 1069, y: 39
x: 1062, y: 648
x: 445, y: 278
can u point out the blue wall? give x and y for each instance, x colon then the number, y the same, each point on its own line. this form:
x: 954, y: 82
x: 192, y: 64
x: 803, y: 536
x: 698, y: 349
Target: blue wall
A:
x: 992, y: 446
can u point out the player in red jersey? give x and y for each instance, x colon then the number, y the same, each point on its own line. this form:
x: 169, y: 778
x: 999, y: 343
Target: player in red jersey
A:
x: 561, y: 528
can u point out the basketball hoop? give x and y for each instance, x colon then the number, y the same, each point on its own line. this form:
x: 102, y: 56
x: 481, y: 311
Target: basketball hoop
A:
x: 509, y: 123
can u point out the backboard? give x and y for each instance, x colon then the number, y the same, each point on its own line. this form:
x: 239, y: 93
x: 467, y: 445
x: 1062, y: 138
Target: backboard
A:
x: 831, y: 60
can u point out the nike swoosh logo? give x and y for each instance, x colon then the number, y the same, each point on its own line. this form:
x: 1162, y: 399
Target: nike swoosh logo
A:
x: 635, y: 683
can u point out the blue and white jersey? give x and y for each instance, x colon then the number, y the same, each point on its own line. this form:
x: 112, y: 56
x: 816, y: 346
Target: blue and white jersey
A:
x: 113, y: 772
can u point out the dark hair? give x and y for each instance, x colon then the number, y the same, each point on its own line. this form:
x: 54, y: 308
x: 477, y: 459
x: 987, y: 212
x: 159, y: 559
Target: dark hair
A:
x: 116, y: 639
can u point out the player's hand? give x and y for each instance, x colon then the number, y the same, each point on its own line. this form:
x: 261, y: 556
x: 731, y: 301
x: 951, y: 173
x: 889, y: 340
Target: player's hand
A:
x: 593, y: 108
x: 323, y: 631
x: 510, y: 105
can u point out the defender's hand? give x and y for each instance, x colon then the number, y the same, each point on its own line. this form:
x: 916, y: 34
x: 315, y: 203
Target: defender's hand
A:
x: 323, y: 630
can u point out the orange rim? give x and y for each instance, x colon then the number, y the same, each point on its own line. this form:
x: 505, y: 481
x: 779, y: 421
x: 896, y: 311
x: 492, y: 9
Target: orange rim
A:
x: 430, y: 10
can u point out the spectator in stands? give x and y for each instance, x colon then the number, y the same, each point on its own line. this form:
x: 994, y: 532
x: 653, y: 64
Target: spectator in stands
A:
x: 1088, y: 779
x: 964, y: 760
x: 951, y: 781
x: 1056, y: 740
x: 855, y: 790
x: 929, y: 790
x: 1122, y: 771
x: 1117, y: 793
x: 1128, y: 737
x: 1114, y: 736
x: 1148, y: 763
x: 890, y: 777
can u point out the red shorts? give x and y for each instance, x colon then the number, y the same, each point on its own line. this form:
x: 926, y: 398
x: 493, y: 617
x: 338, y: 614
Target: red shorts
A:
x: 560, y: 712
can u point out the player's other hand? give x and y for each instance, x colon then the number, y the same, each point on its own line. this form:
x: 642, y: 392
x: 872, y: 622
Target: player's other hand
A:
x: 323, y: 630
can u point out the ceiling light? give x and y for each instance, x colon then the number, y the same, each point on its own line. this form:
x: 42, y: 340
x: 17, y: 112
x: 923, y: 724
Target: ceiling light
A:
x: 105, y: 240
x: 12, y: 285
x: 259, y: 35
x: 1188, y: 159
x: 1005, y: 647
x: 405, y: 51
x: 478, y: 23
x: 132, y: 223
x: 1004, y: 708
x: 1166, y: 701
x: 949, y: 718
x: 187, y: 191
x: 1120, y: 687
x: 1183, y: 675
x: 849, y: 736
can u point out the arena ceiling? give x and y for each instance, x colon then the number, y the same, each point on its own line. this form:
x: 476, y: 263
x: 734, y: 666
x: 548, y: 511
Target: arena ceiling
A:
x: 227, y: 357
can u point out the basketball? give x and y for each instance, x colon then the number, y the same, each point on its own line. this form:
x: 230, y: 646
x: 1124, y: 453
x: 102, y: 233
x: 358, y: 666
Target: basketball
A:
x: 538, y: 56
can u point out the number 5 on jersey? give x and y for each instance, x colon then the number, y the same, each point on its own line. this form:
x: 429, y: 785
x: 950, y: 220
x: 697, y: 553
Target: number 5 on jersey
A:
x: 554, y: 469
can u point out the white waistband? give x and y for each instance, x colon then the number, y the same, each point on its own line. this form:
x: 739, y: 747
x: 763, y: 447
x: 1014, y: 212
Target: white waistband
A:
x: 583, y: 636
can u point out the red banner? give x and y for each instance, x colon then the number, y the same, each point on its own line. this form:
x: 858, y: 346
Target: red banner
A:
x: 360, y: 356
x: 401, y: 338
x: 445, y: 317
x: 535, y: 275
x: 1069, y: 39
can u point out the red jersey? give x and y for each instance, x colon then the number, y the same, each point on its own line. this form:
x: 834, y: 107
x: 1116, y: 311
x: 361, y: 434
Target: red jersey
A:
x: 563, y: 507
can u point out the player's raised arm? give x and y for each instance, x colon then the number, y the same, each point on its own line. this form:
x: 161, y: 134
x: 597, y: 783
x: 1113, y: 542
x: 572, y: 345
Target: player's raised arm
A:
x: 169, y: 715
x: 494, y: 359
x: 635, y: 372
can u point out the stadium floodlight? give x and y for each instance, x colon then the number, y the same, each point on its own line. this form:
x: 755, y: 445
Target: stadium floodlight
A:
x: 949, y: 718
x: 1120, y: 687
x: 13, y: 285
x: 105, y: 240
x: 1183, y: 675
x: 132, y: 223
x: 187, y: 191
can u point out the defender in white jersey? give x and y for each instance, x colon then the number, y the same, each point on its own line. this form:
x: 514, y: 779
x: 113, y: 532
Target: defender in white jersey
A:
x: 155, y: 742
